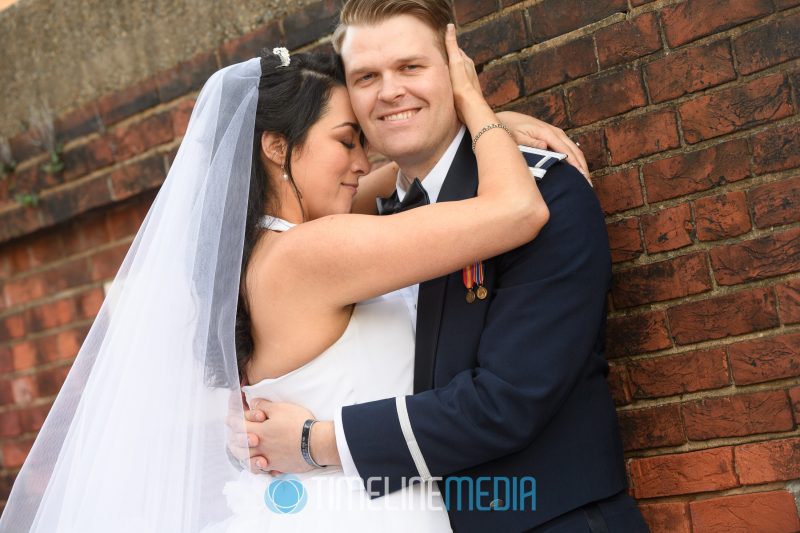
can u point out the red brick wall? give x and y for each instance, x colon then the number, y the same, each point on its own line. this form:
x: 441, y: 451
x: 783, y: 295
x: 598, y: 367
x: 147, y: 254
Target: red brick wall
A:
x: 688, y: 114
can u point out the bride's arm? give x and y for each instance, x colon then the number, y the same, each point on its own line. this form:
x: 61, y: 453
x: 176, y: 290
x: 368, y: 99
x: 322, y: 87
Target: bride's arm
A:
x: 378, y: 183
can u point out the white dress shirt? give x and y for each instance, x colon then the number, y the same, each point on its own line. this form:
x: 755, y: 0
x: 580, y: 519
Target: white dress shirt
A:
x: 432, y: 183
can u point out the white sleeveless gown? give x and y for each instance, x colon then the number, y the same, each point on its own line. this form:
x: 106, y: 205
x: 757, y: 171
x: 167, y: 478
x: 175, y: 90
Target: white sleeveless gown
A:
x: 373, y: 359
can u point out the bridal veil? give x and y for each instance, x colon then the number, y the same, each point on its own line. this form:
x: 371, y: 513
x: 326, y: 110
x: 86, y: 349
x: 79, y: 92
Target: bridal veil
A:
x: 137, y: 438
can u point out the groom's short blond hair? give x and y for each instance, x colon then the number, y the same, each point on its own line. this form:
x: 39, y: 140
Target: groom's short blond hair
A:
x: 436, y: 14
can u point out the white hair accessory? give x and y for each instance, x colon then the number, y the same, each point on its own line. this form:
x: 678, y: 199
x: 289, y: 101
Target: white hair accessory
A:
x: 282, y: 53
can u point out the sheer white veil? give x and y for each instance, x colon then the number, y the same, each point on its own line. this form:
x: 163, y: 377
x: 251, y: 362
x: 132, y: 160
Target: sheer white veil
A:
x: 137, y: 438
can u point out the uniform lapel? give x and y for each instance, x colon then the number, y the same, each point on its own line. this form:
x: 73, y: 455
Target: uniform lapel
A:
x: 460, y: 183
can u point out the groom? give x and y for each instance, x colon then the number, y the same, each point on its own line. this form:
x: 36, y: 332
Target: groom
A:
x: 507, y: 386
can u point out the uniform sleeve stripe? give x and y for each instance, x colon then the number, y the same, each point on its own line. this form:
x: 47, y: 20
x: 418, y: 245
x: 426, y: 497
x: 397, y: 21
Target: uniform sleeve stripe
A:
x: 411, y: 442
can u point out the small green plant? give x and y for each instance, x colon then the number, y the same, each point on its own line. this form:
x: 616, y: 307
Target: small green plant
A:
x: 30, y: 199
x: 55, y: 164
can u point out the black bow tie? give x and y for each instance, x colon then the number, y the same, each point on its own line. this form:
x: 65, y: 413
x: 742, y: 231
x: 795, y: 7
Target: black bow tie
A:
x: 415, y: 197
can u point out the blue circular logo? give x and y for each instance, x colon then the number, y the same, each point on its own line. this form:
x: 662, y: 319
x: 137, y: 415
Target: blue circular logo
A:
x: 286, y: 495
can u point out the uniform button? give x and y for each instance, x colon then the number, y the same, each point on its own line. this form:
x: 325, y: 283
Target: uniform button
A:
x: 496, y: 503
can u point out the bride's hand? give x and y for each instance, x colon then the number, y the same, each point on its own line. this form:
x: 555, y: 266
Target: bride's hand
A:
x: 535, y: 133
x: 463, y: 76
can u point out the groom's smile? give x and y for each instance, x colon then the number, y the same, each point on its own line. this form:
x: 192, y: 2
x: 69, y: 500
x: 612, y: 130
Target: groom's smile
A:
x: 399, y: 85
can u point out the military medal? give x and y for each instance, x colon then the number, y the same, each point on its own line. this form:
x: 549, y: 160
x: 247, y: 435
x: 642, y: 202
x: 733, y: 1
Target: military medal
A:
x: 473, y: 275
x: 481, y: 291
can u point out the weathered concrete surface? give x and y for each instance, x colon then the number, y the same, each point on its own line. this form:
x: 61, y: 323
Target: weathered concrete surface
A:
x: 63, y: 53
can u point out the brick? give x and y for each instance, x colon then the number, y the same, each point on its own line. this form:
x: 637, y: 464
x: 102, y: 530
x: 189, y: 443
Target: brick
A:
x: 123, y: 222
x: 85, y: 159
x: 185, y: 77
x: 628, y: 40
x: 53, y: 314
x: 24, y: 390
x: 765, y: 512
x: 24, y: 355
x: 651, y: 428
x: 642, y: 135
x: 496, y: 38
x: 697, y: 171
x: 14, y: 453
x: 92, y: 230
x: 49, y: 382
x: 78, y: 122
x: 67, y: 345
x: 721, y: 216
x: 624, y: 239
x: 794, y: 398
x: 739, y: 415
x: 636, y: 334
x: 736, y: 108
x: 31, y: 419
x: 776, y: 203
x: 785, y: 4
x: 619, y: 191
x: 311, y: 23
x: 138, y: 177
x: 664, y: 280
x: 17, y: 222
x: 672, y: 517
x: 606, y: 95
x: 18, y: 256
x: 6, y: 362
x: 619, y: 384
x: 689, y: 71
x: 789, y: 301
x: 777, y: 149
x: 66, y: 275
x: 772, y: 255
x: 469, y: 10
x: 668, y: 229
x: 180, y: 115
x: 136, y: 139
x: 45, y: 248
x: 25, y: 145
x: 104, y: 265
x: 770, y: 44
x: 501, y: 84
x: 67, y: 202
x: 761, y: 360
x: 723, y: 316
x: 553, y: 66
x: 693, y: 19
x: 250, y: 44
x: 10, y: 424
x: 24, y: 290
x: 593, y: 148
x: 678, y: 374
x: 35, y: 179
x: 128, y: 102
x: 548, y: 107
x: 552, y: 18
x: 14, y: 326
x: 89, y: 303
x: 684, y: 473
x: 765, y: 462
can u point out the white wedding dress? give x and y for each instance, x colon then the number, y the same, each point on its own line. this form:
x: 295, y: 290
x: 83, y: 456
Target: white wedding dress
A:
x: 373, y: 359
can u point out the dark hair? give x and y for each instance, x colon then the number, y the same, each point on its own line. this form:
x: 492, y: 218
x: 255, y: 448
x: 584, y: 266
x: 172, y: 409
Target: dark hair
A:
x: 291, y: 99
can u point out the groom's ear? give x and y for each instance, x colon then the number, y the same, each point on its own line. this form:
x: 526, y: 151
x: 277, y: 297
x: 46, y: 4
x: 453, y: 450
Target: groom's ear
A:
x: 274, y: 147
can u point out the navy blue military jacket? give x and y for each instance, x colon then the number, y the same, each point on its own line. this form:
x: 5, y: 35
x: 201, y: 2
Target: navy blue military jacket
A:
x: 512, y: 386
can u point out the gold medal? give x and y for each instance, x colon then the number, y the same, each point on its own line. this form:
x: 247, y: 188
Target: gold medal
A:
x: 482, y: 293
x: 470, y: 296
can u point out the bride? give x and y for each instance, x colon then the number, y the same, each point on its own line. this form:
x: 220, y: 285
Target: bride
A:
x: 246, y: 271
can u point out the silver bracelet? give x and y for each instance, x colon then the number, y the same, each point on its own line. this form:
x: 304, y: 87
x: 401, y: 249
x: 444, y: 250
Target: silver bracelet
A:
x: 487, y: 128
x: 305, y: 444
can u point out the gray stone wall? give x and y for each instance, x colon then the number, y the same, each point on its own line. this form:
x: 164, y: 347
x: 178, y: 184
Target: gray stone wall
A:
x: 62, y: 53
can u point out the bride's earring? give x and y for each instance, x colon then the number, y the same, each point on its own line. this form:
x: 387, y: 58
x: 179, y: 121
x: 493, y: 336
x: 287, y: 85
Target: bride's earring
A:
x: 285, y: 175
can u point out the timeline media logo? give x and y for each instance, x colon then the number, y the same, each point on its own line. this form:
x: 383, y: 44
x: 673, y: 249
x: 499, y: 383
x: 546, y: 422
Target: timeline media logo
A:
x: 286, y: 495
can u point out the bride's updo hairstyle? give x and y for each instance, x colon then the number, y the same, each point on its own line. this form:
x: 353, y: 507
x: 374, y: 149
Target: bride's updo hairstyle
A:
x: 291, y: 99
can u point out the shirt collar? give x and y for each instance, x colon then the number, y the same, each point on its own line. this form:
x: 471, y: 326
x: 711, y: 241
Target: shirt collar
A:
x: 432, y: 183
